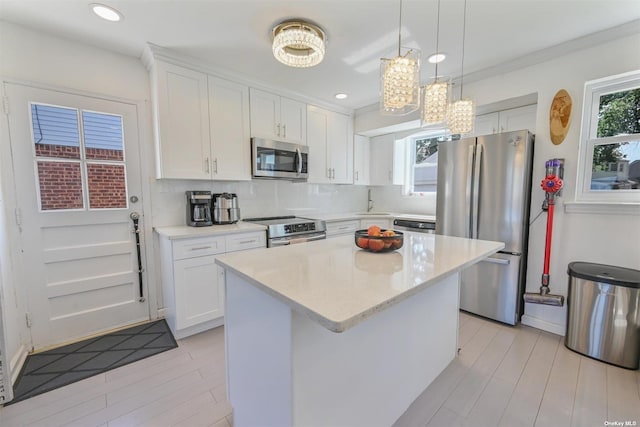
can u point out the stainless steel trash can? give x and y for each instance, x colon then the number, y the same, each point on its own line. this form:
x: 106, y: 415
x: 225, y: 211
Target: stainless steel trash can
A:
x: 603, y: 314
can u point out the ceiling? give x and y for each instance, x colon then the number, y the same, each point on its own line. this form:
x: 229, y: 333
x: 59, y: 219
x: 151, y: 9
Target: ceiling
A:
x: 235, y: 35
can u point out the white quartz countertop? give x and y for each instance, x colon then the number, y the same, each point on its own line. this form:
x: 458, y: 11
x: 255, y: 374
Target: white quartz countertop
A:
x: 332, y: 217
x: 184, y: 231
x: 338, y: 285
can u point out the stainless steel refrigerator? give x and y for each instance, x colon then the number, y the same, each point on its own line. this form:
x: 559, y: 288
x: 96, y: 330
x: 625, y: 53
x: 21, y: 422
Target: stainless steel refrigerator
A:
x: 484, y: 189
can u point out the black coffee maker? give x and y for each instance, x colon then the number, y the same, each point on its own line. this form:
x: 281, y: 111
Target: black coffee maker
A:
x: 199, y: 208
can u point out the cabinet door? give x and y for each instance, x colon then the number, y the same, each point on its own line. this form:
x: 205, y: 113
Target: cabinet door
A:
x: 381, y: 165
x: 317, y: 133
x: 229, y: 124
x: 198, y: 291
x: 293, y: 121
x: 265, y: 114
x: 519, y: 118
x: 340, y: 148
x: 182, y: 142
x: 486, y: 124
x: 340, y: 228
x: 360, y: 160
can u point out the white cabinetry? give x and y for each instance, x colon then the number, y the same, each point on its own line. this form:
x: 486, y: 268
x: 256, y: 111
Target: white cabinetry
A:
x: 340, y: 228
x: 506, y: 121
x: 192, y: 283
x: 229, y: 129
x: 202, y: 125
x: 361, y: 160
x: 385, y: 161
x: 182, y: 122
x: 276, y: 117
x: 330, y: 141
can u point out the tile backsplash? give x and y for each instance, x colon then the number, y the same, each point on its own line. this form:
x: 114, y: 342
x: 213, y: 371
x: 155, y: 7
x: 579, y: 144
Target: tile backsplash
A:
x: 258, y: 198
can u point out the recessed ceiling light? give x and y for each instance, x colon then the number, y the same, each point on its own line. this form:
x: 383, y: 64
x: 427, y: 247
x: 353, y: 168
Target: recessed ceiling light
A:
x: 106, y: 12
x: 341, y: 95
x: 436, y: 58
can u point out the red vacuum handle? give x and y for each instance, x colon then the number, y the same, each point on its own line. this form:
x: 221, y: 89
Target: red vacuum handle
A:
x: 547, y: 245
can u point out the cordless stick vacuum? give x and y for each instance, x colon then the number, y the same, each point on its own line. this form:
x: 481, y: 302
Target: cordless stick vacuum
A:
x: 551, y: 184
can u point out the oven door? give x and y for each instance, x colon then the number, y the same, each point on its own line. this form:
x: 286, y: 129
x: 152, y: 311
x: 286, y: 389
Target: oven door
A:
x: 292, y: 240
x: 276, y: 159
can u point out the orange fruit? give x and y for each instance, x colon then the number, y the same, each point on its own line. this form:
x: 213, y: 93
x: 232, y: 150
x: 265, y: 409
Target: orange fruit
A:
x: 374, y: 230
x: 362, y: 242
x: 388, y: 233
x: 376, y: 245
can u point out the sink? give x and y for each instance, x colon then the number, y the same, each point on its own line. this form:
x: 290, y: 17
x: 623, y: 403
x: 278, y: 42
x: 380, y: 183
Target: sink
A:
x: 374, y: 213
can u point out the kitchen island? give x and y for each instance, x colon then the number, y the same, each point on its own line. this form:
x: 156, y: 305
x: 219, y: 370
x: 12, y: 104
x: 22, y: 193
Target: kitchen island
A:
x: 325, y: 334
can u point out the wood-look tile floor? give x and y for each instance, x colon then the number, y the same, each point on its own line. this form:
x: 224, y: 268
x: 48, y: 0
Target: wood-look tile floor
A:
x: 504, y: 376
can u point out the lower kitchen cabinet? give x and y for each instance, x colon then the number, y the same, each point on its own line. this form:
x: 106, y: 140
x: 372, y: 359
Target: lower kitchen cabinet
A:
x: 340, y: 228
x: 384, y: 224
x: 192, y: 283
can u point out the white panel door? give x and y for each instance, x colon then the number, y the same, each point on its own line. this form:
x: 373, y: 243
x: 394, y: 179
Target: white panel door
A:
x: 361, y: 160
x: 317, y: 129
x: 199, y: 294
x: 265, y: 114
x: 340, y: 148
x: 520, y: 118
x: 293, y: 121
x: 381, y: 156
x: 77, y: 178
x: 486, y: 124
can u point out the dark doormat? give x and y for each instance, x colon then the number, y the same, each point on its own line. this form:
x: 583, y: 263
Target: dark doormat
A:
x: 55, y: 368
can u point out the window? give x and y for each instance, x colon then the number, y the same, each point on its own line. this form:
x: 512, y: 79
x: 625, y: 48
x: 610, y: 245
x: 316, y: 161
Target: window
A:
x: 609, y: 168
x: 79, y: 158
x: 421, y: 173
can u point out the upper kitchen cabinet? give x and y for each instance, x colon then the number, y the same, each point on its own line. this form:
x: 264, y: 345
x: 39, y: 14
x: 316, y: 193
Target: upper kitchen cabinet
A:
x: 202, y: 125
x: 385, y: 163
x: 361, y: 160
x: 229, y: 125
x: 330, y: 141
x: 276, y: 117
x: 506, y: 121
x: 181, y: 108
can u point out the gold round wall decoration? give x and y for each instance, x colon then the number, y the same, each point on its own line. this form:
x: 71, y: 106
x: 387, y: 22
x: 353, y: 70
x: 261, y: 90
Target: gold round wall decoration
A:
x: 560, y: 116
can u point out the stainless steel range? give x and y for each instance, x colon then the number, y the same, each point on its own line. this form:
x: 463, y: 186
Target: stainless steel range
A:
x: 288, y: 230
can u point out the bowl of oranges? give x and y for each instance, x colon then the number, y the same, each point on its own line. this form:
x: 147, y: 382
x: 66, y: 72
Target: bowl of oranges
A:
x: 374, y: 239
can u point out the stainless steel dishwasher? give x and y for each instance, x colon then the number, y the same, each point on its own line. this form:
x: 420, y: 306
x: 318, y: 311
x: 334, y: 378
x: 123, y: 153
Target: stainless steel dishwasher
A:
x: 421, y: 226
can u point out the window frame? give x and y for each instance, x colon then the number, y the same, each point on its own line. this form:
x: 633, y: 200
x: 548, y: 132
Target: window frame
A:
x: 410, y: 157
x: 593, y: 90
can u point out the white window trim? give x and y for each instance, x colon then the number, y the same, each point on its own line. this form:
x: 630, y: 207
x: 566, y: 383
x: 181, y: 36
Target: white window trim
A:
x: 409, y: 148
x: 587, y: 200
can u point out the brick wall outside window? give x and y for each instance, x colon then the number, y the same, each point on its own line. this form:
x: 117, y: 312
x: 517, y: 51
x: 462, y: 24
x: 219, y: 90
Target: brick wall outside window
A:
x: 57, y: 151
x: 106, y: 186
x: 60, y: 185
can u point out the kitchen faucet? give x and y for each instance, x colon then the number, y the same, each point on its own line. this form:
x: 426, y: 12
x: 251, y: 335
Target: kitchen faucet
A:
x: 369, y: 201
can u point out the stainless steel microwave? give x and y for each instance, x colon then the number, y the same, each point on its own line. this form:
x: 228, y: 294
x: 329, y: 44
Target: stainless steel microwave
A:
x: 279, y: 160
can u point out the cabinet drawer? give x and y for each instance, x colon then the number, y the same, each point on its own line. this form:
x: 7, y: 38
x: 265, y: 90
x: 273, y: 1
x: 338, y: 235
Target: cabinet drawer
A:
x: 342, y: 227
x: 201, y: 246
x: 240, y: 242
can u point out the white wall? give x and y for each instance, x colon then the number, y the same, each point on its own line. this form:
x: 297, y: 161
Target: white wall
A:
x: 32, y: 56
x: 606, y: 239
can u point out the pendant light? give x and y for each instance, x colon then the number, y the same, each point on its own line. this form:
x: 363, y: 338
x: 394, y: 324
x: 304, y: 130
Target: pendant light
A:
x: 400, y: 80
x: 461, y: 114
x: 435, y: 96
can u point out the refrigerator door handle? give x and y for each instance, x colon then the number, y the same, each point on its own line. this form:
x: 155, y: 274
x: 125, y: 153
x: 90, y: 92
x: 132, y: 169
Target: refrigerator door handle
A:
x: 476, y: 192
x: 469, y: 207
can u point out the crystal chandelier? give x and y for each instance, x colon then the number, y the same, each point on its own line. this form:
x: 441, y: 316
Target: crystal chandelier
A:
x: 298, y: 44
x: 400, y: 80
x: 461, y: 114
x: 435, y: 95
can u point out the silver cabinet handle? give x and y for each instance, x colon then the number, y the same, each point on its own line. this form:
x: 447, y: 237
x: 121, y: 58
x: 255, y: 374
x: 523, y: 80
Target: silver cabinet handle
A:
x: 299, y: 155
x: 244, y: 242
x: 497, y: 261
x: 333, y: 173
x: 356, y: 175
x: 344, y: 227
x: 329, y: 173
x: 215, y: 165
x: 284, y: 131
x: 199, y: 248
x: 278, y: 132
x: 206, y: 165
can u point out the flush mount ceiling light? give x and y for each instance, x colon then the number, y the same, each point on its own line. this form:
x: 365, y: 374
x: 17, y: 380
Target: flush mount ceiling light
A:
x: 400, y: 80
x: 298, y: 44
x: 341, y: 96
x: 437, y: 57
x: 461, y: 114
x: 106, y: 12
x: 435, y: 95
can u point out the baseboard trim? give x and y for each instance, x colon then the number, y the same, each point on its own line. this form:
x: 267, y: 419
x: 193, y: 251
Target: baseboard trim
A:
x: 17, y: 361
x: 538, y: 323
x: 196, y: 329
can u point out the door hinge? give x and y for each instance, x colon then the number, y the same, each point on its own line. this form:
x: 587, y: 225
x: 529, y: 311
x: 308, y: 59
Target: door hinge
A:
x: 28, y: 319
x: 5, y: 105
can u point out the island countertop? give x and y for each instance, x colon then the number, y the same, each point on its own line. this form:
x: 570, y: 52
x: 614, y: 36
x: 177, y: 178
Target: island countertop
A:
x: 338, y: 285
